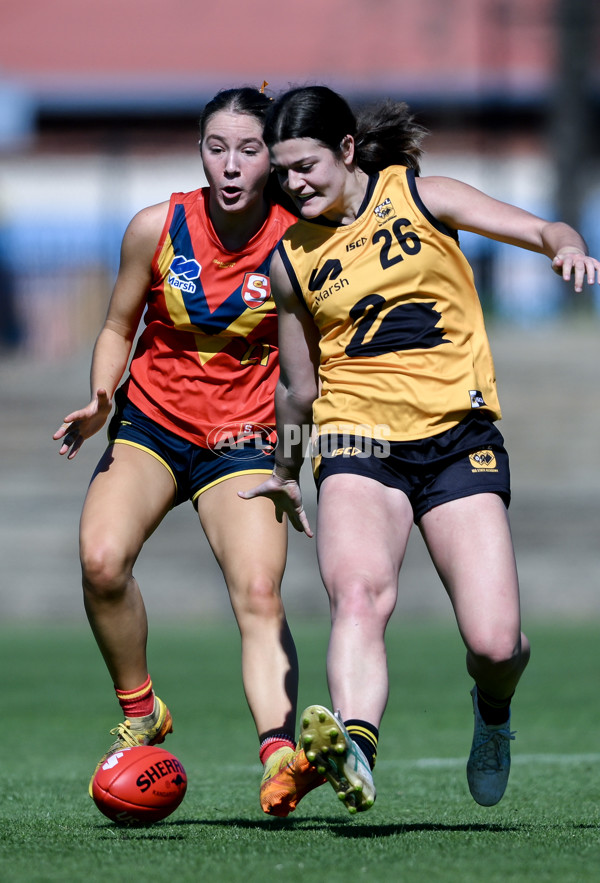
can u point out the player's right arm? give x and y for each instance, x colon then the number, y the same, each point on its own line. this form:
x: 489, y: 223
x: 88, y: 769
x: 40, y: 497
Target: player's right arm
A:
x: 298, y: 385
x: 113, y: 345
x: 296, y: 391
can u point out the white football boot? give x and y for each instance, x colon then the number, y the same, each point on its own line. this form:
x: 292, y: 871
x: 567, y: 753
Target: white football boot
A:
x: 328, y: 745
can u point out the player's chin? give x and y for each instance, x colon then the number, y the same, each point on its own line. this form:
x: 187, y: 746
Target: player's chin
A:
x: 237, y: 202
x: 309, y: 208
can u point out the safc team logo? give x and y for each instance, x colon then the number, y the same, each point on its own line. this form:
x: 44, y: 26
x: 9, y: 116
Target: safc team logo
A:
x: 256, y: 290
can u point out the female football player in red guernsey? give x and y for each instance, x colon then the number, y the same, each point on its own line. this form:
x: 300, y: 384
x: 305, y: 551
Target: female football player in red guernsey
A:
x: 196, y: 410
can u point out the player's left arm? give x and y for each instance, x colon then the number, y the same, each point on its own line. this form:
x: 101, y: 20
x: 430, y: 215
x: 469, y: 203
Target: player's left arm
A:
x: 463, y: 207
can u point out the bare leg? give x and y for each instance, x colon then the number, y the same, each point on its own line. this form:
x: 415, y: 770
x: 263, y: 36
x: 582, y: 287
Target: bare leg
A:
x: 251, y: 549
x: 470, y: 543
x: 471, y: 546
x: 362, y: 534
x: 128, y: 497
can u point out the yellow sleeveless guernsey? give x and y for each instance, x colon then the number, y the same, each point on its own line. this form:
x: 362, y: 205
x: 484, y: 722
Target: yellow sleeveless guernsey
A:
x: 404, y: 352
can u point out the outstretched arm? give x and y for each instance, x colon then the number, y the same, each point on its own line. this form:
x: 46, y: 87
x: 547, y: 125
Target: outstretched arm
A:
x: 296, y: 391
x: 465, y: 208
x: 113, y: 346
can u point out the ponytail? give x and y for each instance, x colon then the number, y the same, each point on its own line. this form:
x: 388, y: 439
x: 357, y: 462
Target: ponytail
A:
x: 387, y: 134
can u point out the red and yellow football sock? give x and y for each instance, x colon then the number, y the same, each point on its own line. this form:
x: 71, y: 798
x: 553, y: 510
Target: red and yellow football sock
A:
x: 138, y: 702
x: 270, y: 744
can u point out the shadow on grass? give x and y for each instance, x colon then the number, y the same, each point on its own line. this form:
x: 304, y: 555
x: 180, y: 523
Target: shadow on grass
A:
x: 350, y: 830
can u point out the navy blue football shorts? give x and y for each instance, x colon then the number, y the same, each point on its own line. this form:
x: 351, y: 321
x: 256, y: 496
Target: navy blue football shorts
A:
x: 194, y: 469
x: 467, y: 459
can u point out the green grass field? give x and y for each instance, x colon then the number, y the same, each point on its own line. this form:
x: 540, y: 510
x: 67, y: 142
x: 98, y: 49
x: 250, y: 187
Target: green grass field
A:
x: 58, y: 706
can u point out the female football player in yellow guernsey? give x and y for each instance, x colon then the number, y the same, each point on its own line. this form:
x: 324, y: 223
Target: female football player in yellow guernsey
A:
x: 204, y: 371
x: 380, y: 327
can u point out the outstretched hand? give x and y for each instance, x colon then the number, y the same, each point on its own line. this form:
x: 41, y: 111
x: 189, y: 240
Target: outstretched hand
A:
x: 579, y: 265
x: 287, y: 499
x: 81, y: 424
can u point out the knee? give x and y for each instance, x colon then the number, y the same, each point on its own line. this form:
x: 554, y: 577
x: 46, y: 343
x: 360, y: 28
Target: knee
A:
x: 105, y: 570
x: 259, y: 597
x: 500, y: 651
x: 362, y: 599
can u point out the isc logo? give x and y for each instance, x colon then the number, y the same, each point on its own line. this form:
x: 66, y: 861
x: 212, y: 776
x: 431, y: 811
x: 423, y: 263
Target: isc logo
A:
x: 359, y: 242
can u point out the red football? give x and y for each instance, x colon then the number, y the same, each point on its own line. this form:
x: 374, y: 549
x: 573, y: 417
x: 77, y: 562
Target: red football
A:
x: 137, y: 786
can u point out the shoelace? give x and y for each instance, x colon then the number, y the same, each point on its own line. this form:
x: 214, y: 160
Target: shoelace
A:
x: 494, y: 749
x: 125, y: 735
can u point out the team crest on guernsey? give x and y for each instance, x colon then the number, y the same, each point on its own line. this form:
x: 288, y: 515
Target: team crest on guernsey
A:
x: 255, y: 290
x: 385, y: 211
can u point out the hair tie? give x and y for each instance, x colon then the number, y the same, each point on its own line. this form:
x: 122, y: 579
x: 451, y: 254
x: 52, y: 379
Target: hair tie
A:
x: 263, y: 87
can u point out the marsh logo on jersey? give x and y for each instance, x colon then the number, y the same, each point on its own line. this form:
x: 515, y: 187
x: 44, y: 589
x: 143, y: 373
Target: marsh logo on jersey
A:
x: 255, y: 290
x: 483, y: 461
x: 183, y: 270
x: 385, y: 211
x: 331, y: 269
x: 477, y: 400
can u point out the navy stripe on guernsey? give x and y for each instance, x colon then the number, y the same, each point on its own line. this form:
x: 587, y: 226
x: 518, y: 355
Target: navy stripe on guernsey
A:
x: 211, y: 322
x: 291, y: 274
x: 435, y: 222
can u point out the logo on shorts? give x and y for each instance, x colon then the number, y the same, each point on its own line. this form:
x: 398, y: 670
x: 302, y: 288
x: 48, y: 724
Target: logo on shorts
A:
x: 477, y: 400
x: 385, y: 211
x: 255, y: 439
x: 348, y: 451
x: 483, y: 461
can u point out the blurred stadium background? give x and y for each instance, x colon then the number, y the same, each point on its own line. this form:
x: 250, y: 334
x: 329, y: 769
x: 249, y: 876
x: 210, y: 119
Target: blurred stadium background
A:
x: 98, y: 118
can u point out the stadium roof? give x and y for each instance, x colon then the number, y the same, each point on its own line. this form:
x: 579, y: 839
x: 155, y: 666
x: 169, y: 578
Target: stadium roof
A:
x: 151, y: 57
x: 69, y: 52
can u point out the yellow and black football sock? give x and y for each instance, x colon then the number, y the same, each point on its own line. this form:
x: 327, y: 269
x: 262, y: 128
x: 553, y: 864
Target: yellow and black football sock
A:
x: 138, y: 702
x: 493, y: 711
x: 366, y: 737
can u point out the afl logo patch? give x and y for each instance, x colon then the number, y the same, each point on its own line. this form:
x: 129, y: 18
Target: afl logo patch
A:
x: 254, y: 439
x: 255, y: 290
x: 483, y: 460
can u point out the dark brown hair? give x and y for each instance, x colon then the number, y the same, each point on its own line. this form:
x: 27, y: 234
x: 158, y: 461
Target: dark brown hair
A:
x: 385, y: 134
